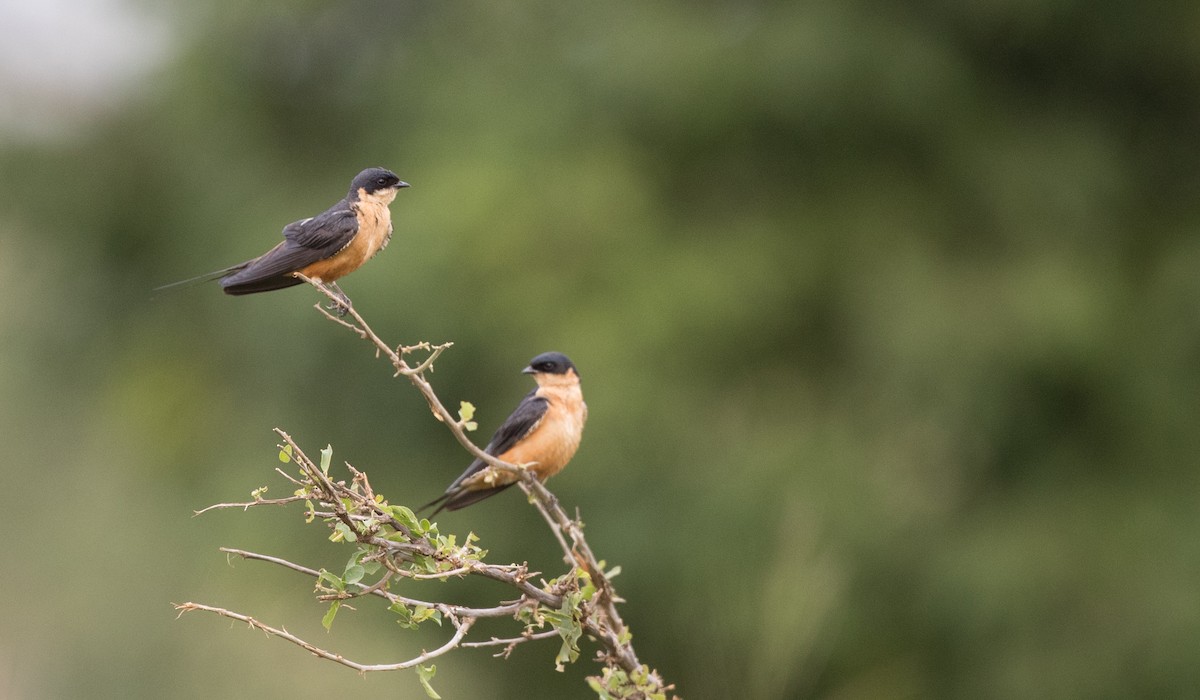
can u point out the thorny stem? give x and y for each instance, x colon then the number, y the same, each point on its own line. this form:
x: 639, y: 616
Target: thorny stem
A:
x: 605, y: 624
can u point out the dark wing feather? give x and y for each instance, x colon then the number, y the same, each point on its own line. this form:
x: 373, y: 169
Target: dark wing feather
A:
x: 330, y: 230
x: 520, y: 423
x: 304, y: 243
x: 522, y: 420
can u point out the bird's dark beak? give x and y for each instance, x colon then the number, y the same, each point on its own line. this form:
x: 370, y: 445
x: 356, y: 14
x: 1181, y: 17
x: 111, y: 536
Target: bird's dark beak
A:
x: 402, y: 184
x: 529, y: 370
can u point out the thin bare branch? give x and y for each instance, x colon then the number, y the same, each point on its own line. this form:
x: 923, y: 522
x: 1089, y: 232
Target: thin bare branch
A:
x: 460, y: 631
x: 250, y: 504
x: 554, y: 527
x: 364, y: 589
x: 441, y: 575
x: 289, y: 477
x: 495, y: 642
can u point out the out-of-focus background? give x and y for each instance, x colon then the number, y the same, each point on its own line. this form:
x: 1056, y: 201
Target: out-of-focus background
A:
x: 888, y: 318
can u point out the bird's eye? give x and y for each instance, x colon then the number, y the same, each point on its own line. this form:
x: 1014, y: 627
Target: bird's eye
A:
x: 382, y: 180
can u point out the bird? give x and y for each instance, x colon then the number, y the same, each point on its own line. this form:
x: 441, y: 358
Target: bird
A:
x: 543, y: 433
x: 325, y: 247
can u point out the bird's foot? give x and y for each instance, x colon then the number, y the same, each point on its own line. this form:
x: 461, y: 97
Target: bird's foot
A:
x: 340, y: 305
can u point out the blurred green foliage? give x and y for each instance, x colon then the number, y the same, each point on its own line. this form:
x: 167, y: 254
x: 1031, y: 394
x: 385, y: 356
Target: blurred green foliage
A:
x: 888, y: 317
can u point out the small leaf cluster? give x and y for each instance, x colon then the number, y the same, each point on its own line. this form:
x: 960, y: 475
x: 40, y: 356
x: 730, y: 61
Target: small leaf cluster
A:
x: 614, y: 683
x: 568, y: 618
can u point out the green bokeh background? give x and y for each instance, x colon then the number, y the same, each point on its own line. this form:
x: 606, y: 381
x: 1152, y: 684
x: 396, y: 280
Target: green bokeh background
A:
x: 888, y: 319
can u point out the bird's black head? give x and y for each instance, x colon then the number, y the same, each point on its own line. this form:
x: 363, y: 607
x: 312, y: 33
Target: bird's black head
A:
x: 550, y: 363
x: 374, y: 179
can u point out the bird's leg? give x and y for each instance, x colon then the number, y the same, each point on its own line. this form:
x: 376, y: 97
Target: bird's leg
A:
x: 341, y: 306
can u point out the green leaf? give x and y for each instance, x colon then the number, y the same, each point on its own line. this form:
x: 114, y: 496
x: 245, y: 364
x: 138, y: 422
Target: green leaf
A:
x: 422, y: 613
x: 422, y: 564
x: 405, y: 516
x: 342, y: 532
x: 529, y: 617
x: 326, y: 457
x: 285, y: 455
x: 411, y: 618
x: 596, y: 686
x: 567, y: 621
x: 554, y: 617
x: 568, y: 652
x: 425, y: 673
x: 587, y: 589
x: 354, y: 574
x: 403, y: 615
x: 466, y: 411
x: 332, y: 580
x: 327, y: 621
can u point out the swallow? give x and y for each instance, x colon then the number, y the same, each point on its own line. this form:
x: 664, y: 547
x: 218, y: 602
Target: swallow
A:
x: 542, y: 433
x: 325, y: 247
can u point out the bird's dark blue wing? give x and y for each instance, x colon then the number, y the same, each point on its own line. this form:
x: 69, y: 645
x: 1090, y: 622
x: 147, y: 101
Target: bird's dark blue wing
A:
x: 304, y: 243
x: 328, y: 231
x: 522, y: 421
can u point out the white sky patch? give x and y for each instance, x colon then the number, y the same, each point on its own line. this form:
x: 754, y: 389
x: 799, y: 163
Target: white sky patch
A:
x: 63, y: 62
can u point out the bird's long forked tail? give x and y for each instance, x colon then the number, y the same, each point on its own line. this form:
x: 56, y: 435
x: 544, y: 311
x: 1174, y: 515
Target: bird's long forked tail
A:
x: 453, y: 500
x: 198, y: 279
